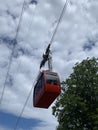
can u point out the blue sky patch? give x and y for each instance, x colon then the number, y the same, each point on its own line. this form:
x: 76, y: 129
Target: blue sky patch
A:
x: 9, y: 121
x: 8, y: 41
x: 89, y: 45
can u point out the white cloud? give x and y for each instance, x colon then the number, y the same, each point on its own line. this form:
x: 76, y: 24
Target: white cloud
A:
x: 78, y: 25
x: 50, y: 126
x: 4, y: 128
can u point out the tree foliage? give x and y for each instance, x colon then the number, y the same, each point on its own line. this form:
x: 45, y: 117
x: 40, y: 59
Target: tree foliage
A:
x: 77, y: 106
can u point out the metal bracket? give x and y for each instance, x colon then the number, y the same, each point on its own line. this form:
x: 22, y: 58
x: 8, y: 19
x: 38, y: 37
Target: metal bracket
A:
x: 47, y: 57
x: 50, y: 61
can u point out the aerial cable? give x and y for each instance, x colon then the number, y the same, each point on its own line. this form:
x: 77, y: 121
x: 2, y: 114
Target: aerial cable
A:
x: 58, y: 22
x: 47, y: 56
x: 13, y: 49
x: 19, y: 117
x: 48, y: 48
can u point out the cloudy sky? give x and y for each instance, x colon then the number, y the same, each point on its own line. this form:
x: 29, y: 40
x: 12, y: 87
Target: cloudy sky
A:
x: 75, y: 40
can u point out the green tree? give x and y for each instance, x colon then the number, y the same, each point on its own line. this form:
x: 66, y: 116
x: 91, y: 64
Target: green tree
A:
x: 77, y: 106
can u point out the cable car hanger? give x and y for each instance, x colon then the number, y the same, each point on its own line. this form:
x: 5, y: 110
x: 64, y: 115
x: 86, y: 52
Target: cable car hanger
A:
x: 47, y: 87
x: 47, y: 57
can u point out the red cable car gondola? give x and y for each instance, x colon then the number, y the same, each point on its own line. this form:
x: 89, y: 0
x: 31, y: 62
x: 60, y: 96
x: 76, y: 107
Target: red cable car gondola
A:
x: 47, y: 89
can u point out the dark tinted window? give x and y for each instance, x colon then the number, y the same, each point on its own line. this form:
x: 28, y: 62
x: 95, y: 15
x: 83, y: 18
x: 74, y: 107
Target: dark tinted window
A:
x: 52, y: 78
x: 39, y: 85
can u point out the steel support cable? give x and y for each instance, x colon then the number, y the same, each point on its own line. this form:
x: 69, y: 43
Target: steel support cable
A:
x: 60, y: 18
x: 13, y: 49
x: 47, y: 56
x: 59, y: 21
x: 19, y: 117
